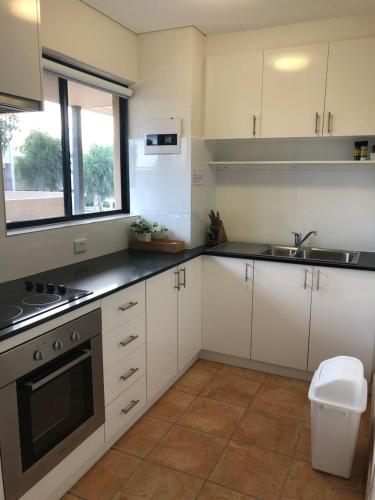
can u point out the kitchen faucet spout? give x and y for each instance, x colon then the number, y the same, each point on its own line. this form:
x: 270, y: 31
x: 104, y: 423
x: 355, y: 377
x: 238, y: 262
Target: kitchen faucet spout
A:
x: 299, y: 240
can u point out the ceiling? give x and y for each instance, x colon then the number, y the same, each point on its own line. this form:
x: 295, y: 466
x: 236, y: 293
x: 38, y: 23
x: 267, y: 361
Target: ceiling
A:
x: 221, y: 16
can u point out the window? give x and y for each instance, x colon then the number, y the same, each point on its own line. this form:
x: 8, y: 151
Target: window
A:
x: 67, y: 162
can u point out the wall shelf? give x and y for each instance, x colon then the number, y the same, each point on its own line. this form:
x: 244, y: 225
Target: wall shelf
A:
x: 290, y: 165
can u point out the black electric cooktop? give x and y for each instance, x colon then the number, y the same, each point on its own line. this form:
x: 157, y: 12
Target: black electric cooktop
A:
x: 24, y: 300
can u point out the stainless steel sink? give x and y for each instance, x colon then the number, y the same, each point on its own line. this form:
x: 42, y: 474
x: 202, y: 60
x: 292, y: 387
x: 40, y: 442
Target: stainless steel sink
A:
x: 322, y: 254
x: 331, y: 255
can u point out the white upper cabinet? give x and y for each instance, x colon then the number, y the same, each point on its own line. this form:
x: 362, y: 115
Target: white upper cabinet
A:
x: 342, y: 316
x: 189, y: 312
x: 233, y: 95
x: 350, y: 99
x: 281, y: 313
x: 294, y: 81
x: 20, y: 58
x: 227, y: 289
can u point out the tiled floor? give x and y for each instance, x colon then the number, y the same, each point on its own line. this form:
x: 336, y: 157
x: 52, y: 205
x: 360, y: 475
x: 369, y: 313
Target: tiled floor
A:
x: 221, y: 433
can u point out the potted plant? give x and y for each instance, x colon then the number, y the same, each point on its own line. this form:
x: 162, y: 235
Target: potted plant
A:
x: 142, y: 229
x: 158, y: 231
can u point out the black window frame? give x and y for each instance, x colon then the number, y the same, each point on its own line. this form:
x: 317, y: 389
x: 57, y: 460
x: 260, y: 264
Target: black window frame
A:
x: 66, y: 164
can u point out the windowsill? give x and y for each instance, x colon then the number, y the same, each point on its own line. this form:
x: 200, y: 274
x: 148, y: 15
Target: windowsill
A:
x: 61, y: 225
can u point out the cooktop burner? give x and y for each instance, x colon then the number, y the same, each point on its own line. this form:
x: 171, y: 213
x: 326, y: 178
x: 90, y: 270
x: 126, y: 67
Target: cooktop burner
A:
x: 8, y: 313
x: 20, y: 301
x: 41, y: 299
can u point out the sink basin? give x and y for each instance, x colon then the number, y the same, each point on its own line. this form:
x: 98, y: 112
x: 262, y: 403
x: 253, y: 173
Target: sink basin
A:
x: 322, y: 254
x: 326, y: 254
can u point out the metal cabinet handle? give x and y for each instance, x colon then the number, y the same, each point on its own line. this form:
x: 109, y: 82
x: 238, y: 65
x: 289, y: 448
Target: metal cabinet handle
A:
x: 254, y: 125
x: 127, y: 306
x: 183, y: 271
x: 177, y: 282
x: 318, y: 281
x: 127, y: 341
x: 130, y: 406
x: 305, y: 282
x: 329, y: 125
x: 317, y: 123
x: 129, y: 374
x: 247, y: 272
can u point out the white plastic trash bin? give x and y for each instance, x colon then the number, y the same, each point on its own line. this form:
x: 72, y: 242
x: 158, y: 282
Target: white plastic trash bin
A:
x: 338, y: 395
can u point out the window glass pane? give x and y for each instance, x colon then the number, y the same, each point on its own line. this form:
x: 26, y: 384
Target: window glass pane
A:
x: 94, y: 148
x: 30, y: 150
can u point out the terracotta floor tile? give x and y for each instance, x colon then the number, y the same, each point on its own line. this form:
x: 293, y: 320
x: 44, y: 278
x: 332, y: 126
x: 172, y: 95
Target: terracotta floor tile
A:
x: 171, y: 406
x: 283, y: 400
x: 107, y: 476
x: 304, y: 483
x: 211, y: 491
x: 268, y: 431
x: 235, y: 371
x: 152, y: 481
x: 189, y: 451
x: 212, y: 416
x: 287, y: 383
x: 231, y: 389
x: 68, y: 496
x: 252, y: 471
x: 303, y: 448
x: 194, y: 380
x: 208, y: 365
x: 143, y: 436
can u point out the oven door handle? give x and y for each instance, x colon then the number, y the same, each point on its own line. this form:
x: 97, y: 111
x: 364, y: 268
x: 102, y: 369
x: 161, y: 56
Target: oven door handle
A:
x: 36, y: 385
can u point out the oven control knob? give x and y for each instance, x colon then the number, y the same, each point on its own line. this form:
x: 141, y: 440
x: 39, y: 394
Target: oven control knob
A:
x: 38, y: 356
x: 39, y: 287
x: 50, y: 288
x: 29, y: 285
x: 75, y: 337
x: 62, y: 289
x: 57, y: 345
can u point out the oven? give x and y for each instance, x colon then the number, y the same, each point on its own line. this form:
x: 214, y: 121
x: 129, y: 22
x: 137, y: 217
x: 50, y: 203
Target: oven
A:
x: 51, y: 400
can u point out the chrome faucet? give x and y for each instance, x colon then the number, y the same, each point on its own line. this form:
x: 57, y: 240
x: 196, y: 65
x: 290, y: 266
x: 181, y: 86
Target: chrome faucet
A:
x: 299, y: 240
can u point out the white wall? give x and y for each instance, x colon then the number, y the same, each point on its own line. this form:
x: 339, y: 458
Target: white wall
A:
x: 77, y: 31
x: 170, y: 84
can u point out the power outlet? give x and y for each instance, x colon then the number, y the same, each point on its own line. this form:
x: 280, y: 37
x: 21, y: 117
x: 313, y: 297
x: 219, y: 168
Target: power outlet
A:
x: 80, y: 245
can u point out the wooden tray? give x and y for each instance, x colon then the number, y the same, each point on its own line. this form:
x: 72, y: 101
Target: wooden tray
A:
x: 169, y: 246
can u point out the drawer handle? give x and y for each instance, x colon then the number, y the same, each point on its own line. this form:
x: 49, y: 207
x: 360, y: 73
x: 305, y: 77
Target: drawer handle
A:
x: 129, y: 340
x: 131, y: 405
x: 129, y: 374
x: 127, y: 306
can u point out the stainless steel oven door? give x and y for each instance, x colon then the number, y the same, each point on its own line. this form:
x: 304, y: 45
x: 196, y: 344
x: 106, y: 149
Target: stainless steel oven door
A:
x: 47, y: 414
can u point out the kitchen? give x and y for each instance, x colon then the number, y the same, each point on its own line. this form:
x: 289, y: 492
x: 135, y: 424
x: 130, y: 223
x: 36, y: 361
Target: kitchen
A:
x: 179, y: 374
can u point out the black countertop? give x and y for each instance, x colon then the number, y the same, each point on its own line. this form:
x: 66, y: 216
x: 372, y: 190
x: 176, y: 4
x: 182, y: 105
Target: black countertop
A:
x: 110, y: 273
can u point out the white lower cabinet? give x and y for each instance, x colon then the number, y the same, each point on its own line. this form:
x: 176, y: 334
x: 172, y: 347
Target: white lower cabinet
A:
x: 189, y: 311
x: 342, y: 316
x: 161, y: 314
x: 174, y: 308
x: 281, y: 313
x: 122, y: 409
x: 227, y: 289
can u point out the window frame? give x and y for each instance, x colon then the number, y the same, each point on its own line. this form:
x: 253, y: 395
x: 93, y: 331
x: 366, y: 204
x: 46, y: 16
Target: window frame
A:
x: 66, y: 164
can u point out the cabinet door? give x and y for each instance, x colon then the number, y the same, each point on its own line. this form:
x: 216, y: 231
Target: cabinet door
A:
x: 294, y: 82
x: 20, y: 51
x: 161, y: 330
x: 233, y: 95
x: 281, y: 313
x: 342, y: 316
x: 227, y: 288
x: 350, y: 98
x: 189, y: 312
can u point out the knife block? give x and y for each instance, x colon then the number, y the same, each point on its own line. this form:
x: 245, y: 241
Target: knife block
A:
x: 218, y: 233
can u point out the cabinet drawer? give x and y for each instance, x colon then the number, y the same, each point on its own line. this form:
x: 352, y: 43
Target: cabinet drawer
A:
x: 124, y: 373
x: 122, y: 306
x: 122, y: 409
x: 123, y: 340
